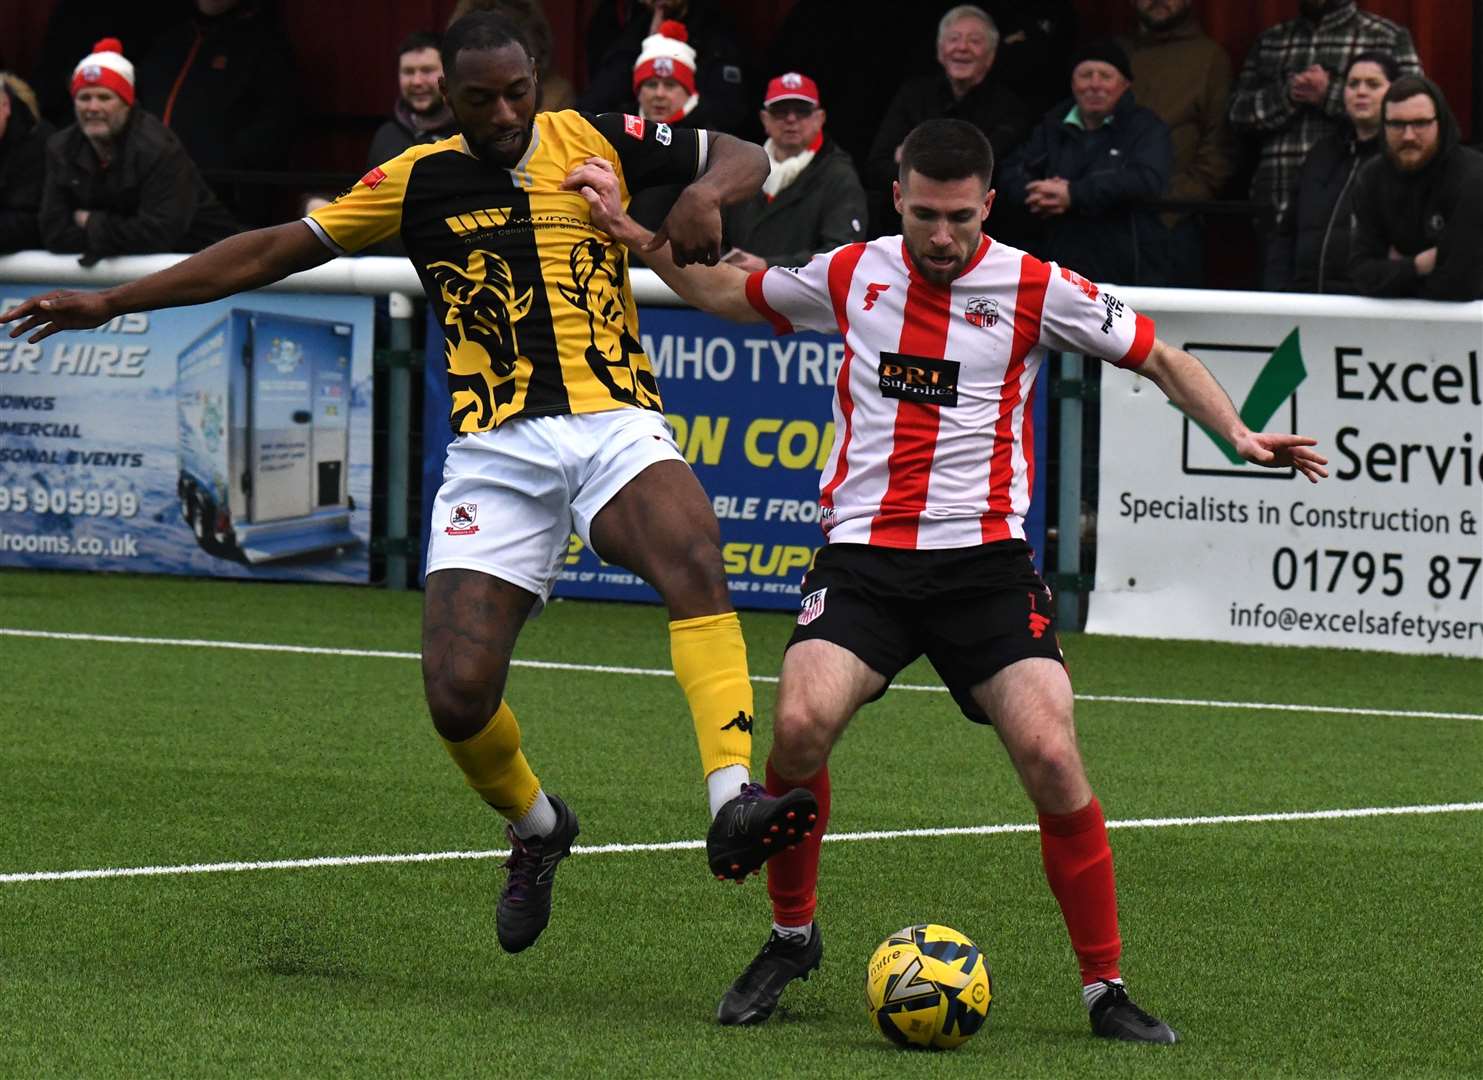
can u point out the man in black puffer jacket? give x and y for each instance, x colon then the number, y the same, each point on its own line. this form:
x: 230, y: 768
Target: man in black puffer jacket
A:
x: 1087, y: 170
x: 1310, y: 250
x: 1418, y: 208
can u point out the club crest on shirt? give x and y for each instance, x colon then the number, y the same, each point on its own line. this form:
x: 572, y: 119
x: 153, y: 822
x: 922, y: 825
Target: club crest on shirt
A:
x: 461, y: 519
x: 374, y: 177
x: 982, y: 311
x: 813, y: 607
x: 633, y: 125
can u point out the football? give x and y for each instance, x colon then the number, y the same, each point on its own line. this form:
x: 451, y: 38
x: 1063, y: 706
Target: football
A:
x: 928, y: 986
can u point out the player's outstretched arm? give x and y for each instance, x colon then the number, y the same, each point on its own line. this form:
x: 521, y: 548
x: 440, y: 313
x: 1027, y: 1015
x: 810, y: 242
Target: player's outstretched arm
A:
x: 1193, y: 390
x: 248, y: 260
x: 720, y: 289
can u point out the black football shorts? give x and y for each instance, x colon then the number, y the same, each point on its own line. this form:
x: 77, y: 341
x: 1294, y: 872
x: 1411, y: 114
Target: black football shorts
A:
x: 971, y: 611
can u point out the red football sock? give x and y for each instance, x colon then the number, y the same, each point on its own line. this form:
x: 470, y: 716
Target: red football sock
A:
x: 793, y: 876
x: 1078, y: 865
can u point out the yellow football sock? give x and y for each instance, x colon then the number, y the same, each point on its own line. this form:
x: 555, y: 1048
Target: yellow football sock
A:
x: 710, y: 660
x: 495, y: 767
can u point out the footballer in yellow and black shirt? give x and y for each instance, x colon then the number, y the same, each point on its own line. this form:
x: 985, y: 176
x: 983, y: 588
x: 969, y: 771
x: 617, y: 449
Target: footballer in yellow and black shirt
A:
x: 541, y: 329
x: 534, y: 300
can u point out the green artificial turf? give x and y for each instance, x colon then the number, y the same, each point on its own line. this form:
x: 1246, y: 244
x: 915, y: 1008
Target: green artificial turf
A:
x: 1308, y: 948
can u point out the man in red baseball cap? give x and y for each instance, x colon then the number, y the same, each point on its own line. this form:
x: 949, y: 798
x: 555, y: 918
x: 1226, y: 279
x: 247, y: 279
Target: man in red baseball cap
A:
x: 812, y: 200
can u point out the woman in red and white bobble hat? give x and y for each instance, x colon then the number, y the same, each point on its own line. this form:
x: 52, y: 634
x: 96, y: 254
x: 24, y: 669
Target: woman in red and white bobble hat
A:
x: 664, y: 75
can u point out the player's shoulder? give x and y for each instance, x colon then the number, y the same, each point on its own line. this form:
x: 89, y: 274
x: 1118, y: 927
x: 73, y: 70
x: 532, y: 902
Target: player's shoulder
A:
x: 850, y: 260
x: 403, y: 163
x: 570, y: 135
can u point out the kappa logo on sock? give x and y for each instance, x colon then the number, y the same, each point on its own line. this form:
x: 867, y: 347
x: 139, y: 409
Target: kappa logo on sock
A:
x: 741, y: 721
x: 813, y: 607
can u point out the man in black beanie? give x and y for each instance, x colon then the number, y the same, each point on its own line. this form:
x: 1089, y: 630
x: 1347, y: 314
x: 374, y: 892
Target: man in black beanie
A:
x: 1088, y: 168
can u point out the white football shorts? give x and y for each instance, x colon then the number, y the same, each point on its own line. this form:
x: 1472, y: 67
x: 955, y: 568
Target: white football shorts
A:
x: 512, y: 497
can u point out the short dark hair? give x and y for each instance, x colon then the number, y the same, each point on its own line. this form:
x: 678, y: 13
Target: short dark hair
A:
x: 1380, y: 58
x: 418, y: 40
x: 480, y: 30
x: 947, y: 150
x: 1409, y: 86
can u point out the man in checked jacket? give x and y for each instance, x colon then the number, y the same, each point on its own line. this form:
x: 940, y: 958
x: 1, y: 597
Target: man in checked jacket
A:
x: 1290, y: 92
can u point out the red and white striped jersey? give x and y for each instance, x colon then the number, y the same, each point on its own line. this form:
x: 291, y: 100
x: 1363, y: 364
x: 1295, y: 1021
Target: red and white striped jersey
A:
x: 933, y: 437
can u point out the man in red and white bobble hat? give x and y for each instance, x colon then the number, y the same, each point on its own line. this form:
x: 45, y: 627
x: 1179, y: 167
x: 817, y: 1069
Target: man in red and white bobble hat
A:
x: 664, y: 75
x: 118, y: 181
x: 107, y: 68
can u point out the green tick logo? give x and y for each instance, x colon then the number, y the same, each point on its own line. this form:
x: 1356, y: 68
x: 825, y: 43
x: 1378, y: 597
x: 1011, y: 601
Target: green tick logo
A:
x: 1275, y: 385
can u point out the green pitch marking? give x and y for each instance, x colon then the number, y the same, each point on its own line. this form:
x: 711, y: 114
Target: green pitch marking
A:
x: 1282, y: 374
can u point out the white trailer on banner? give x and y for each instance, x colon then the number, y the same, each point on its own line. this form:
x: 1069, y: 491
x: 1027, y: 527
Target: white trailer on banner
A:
x: 1386, y: 554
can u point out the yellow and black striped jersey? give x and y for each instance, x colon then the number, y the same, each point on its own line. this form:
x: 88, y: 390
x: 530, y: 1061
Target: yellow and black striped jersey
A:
x: 534, y: 299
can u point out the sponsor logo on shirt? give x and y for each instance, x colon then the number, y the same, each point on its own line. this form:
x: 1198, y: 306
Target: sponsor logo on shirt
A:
x: 494, y: 217
x: 982, y: 311
x: 374, y: 177
x: 633, y: 125
x: 873, y: 293
x: 1114, y: 311
x: 461, y: 519
x: 813, y: 607
x: 922, y: 379
x: 662, y: 134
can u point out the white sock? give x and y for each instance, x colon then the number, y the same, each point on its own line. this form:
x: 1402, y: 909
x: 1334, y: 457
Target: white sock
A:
x: 805, y: 932
x: 539, y: 820
x: 723, y: 785
x: 1094, y: 990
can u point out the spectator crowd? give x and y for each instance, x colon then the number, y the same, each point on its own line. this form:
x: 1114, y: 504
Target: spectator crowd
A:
x: 1111, y: 154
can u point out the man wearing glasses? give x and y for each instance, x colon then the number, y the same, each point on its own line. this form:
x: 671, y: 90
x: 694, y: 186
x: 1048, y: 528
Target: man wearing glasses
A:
x: 1418, y: 219
x: 811, y: 201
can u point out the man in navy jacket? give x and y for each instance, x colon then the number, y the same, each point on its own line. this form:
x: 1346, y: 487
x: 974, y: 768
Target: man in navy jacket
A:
x: 1087, y: 171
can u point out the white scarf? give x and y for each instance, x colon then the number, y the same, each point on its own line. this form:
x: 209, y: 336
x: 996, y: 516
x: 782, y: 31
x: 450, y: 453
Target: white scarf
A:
x: 784, y: 172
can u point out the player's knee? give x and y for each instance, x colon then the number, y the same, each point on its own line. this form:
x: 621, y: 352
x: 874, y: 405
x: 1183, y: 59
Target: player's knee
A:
x: 695, y: 574
x: 460, y: 709
x: 800, y: 742
x: 1052, y: 770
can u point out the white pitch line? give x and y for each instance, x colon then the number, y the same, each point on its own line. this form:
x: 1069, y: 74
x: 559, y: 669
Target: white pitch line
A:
x: 665, y: 673
x: 690, y: 845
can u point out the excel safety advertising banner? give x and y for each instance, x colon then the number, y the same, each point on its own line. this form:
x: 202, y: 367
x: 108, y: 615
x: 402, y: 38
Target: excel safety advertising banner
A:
x: 1385, y: 554
x: 752, y: 414
x: 231, y: 439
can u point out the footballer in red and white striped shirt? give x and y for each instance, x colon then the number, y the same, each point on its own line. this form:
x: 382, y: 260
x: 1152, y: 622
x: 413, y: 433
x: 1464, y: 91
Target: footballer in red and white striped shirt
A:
x: 924, y: 497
